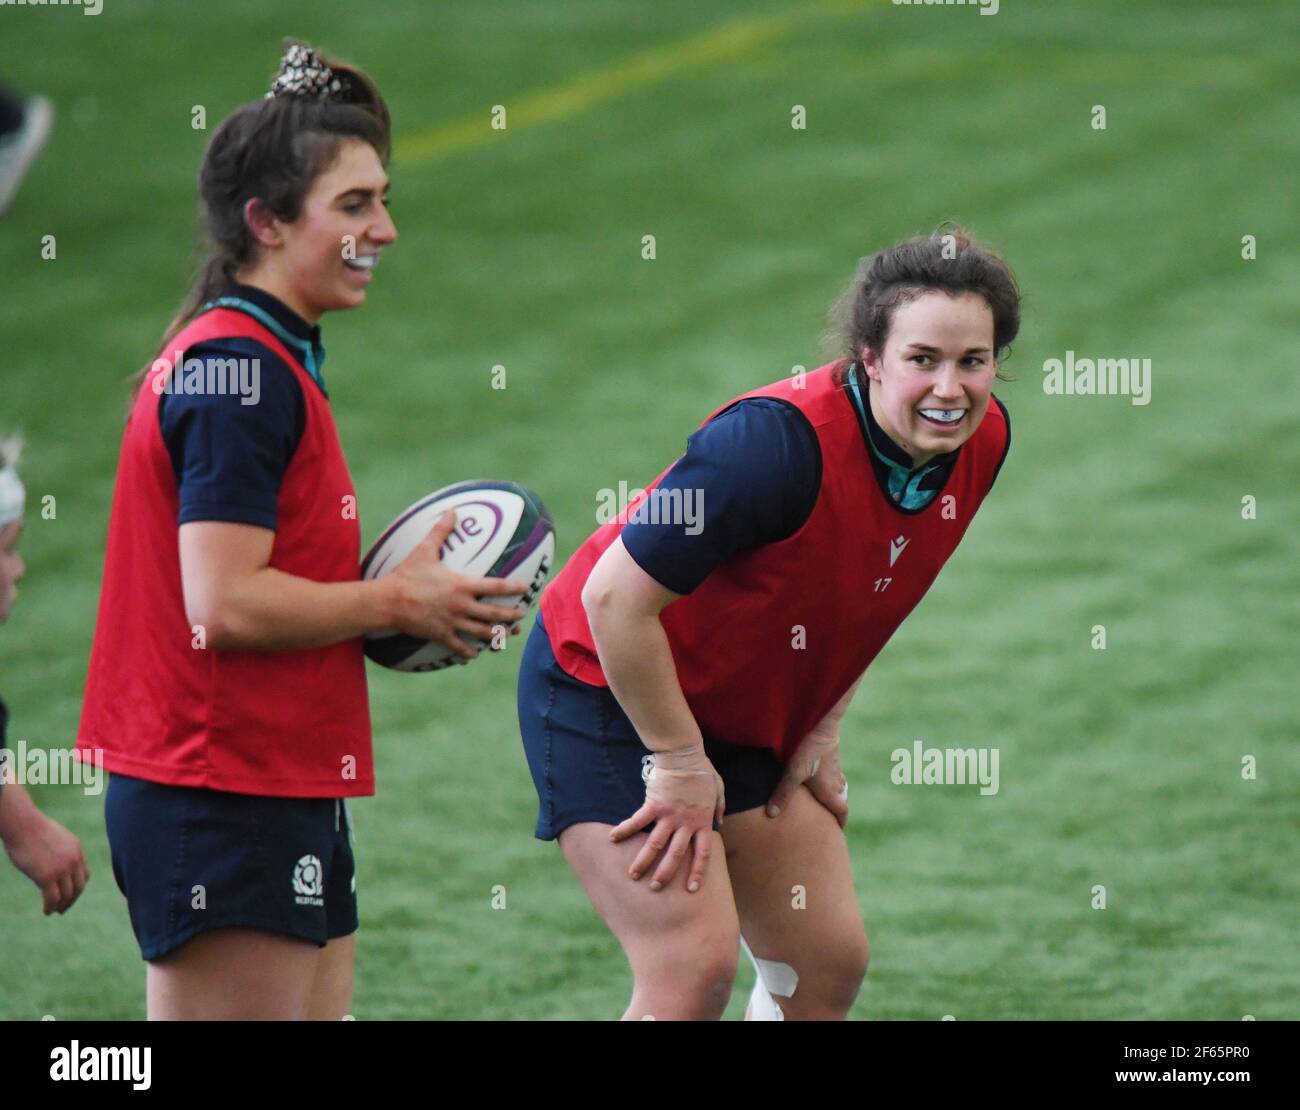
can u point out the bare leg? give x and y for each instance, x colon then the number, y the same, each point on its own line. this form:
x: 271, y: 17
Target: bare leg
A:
x: 331, y: 996
x: 682, y: 947
x: 794, y: 895
x: 233, y: 975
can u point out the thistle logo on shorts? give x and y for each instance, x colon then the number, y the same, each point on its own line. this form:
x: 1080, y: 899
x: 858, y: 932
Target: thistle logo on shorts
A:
x: 308, y: 882
x: 647, y: 765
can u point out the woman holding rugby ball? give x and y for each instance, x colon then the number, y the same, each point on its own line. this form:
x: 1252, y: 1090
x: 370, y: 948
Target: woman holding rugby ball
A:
x: 227, y: 689
x: 680, y: 671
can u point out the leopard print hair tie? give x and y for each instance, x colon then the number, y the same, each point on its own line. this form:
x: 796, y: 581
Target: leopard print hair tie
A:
x: 303, y: 73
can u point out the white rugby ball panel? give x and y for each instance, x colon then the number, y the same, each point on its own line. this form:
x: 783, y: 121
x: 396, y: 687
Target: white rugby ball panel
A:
x: 407, y: 653
x: 487, y: 516
x: 502, y: 530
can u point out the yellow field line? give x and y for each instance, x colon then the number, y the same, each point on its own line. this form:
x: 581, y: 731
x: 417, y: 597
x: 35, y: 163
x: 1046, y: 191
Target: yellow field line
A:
x: 720, y: 44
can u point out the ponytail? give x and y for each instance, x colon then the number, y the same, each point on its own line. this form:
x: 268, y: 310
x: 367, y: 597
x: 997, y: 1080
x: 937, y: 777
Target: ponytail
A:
x: 274, y: 149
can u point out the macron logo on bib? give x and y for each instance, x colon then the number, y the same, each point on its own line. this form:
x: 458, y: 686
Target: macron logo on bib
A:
x: 896, y: 548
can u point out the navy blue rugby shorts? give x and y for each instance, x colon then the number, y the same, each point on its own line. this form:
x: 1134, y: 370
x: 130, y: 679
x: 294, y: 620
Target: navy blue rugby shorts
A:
x: 190, y: 859
x: 587, y: 762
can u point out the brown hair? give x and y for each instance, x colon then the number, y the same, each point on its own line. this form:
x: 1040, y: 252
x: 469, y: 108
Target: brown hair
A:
x: 274, y: 149
x: 948, y: 260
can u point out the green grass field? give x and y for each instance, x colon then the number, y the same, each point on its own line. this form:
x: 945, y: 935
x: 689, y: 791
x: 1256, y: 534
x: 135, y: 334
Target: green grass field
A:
x: 522, y: 248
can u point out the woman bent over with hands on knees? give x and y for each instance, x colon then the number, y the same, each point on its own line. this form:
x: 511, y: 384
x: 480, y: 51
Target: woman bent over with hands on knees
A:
x: 684, y: 670
x: 227, y: 687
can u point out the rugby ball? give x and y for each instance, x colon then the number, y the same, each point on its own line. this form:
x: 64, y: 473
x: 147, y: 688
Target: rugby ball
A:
x: 502, y: 531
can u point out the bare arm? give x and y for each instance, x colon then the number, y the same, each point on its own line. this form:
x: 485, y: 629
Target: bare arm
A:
x: 42, y: 849
x: 683, y: 792
x: 623, y: 604
x: 816, y: 763
x: 830, y: 724
x: 242, y: 603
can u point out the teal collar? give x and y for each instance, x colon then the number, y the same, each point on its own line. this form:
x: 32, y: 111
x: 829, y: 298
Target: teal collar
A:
x: 904, y: 483
x: 312, y: 356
